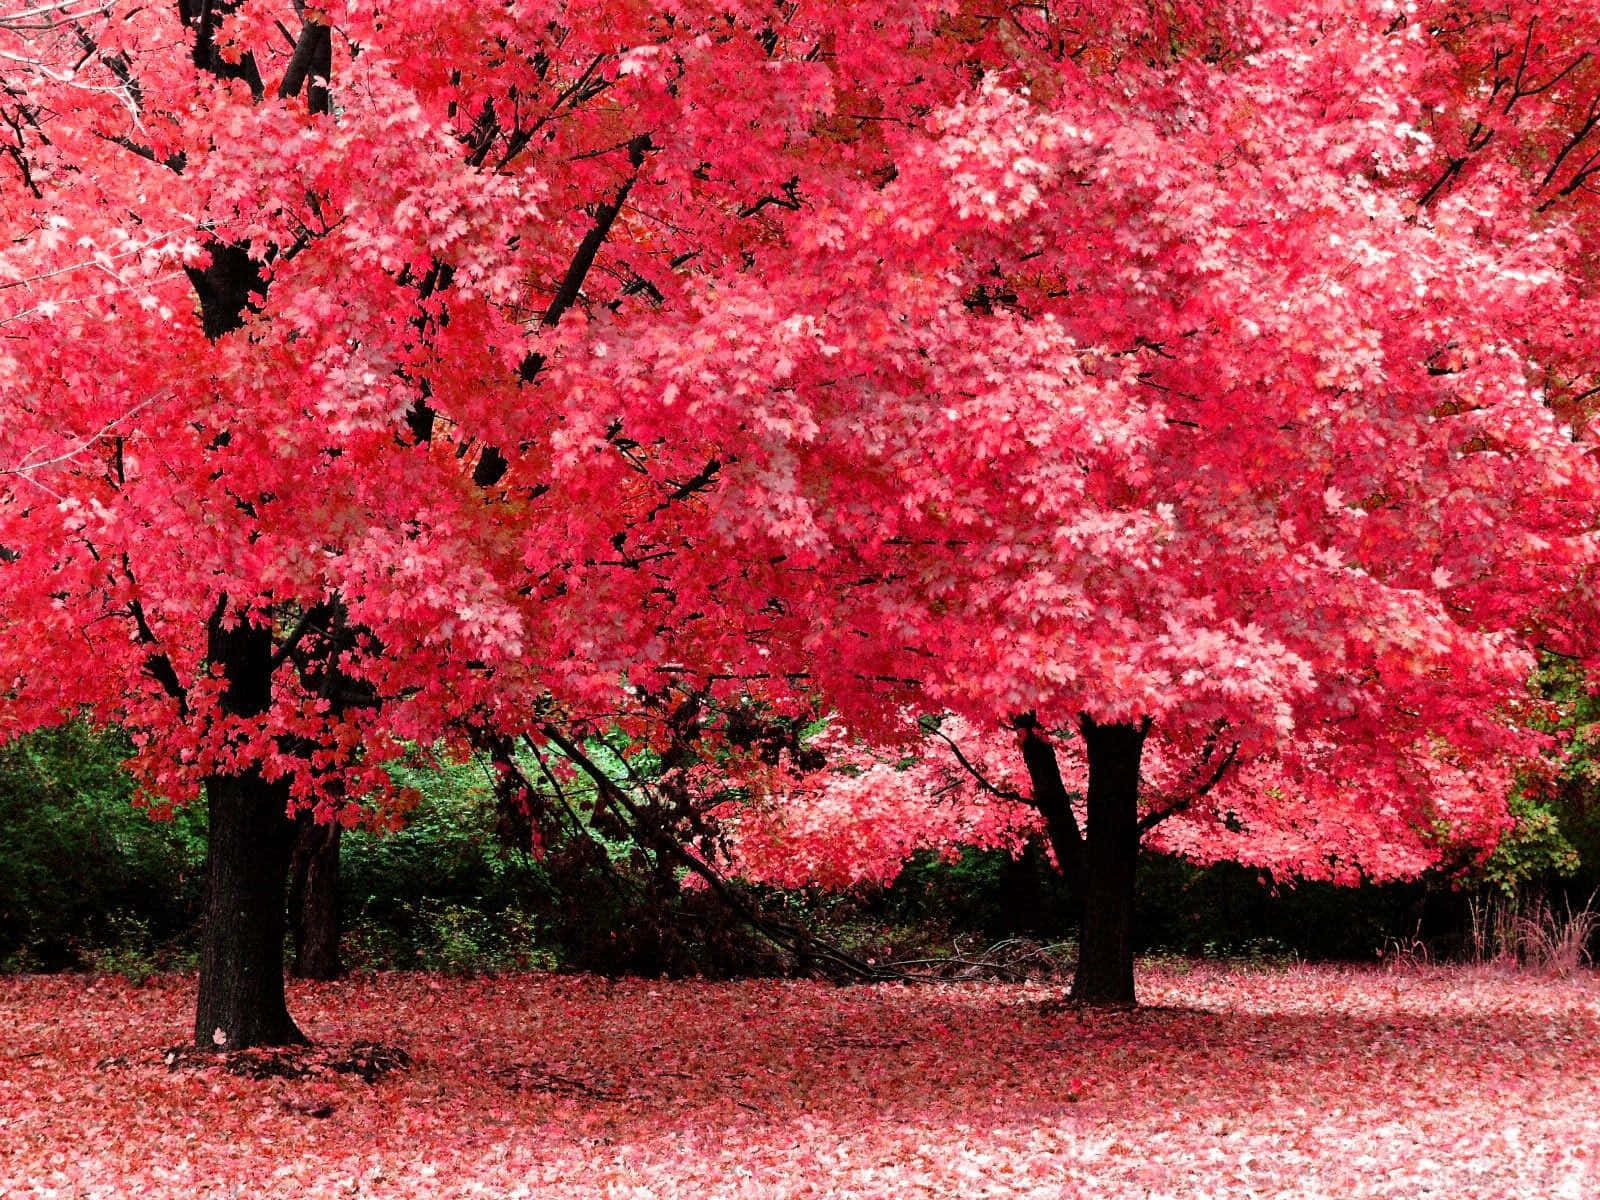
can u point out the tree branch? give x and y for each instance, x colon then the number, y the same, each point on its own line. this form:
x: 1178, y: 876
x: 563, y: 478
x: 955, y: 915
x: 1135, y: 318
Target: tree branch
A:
x: 157, y: 664
x: 312, y: 60
x: 983, y: 780
x: 308, y: 619
x: 1050, y: 796
x: 1173, y: 807
x: 800, y: 941
x: 492, y: 464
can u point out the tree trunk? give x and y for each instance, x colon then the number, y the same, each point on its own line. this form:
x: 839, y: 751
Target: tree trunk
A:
x: 251, y: 837
x: 248, y: 847
x: 1051, y: 798
x: 314, y: 899
x: 1022, y: 894
x: 1111, y: 851
x: 241, y: 956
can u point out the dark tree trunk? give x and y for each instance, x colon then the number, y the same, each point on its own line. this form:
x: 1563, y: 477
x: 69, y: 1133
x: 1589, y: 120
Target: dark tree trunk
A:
x: 241, y: 957
x: 249, y: 844
x: 1111, y: 852
x: 1050, y: 797
x: 205, y: 18
x: 251, y: 836
x: 314, y: 899
x: 1022, y: 894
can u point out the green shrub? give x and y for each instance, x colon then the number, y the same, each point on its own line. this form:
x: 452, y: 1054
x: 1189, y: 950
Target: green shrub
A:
x: 83, y: 872
x: 87, y: 880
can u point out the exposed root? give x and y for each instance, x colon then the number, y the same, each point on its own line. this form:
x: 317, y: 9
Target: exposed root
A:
x: 370, y: 1060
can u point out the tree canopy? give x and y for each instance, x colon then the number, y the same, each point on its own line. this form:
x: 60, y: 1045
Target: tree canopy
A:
x: 1204, y: 383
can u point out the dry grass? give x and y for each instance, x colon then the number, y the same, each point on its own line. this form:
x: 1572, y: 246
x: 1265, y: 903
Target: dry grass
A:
x: 1533, y: 935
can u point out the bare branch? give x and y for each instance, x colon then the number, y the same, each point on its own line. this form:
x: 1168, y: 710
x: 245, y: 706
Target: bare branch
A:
x: 1173, y: 807
x: 983, y: 780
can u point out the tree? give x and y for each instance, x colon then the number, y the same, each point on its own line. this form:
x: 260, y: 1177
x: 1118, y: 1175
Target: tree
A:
x: 1202, y: 386
x: 285, y: 486
x: 1203, y: 397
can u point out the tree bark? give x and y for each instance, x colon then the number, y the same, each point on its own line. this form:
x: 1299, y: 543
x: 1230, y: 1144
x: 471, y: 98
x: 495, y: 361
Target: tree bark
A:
x: 249, y: 844
x: 1111, y: 851
x: 1050, y: 797
x: 314, y: 899
x: 251, y: 837
x: 241, y: 1000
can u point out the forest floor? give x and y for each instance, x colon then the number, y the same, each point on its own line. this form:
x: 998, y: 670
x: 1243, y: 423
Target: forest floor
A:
x: 1295, y: 1082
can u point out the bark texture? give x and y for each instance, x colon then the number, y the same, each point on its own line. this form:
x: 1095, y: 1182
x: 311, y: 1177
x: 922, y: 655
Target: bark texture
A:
x: 241, y: 1000
x: 314, y: 900
x: 1051, y: 798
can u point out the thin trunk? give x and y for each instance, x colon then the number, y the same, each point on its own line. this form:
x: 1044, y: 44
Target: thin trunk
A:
x: 1050, y: 797
x: 1111, y: 852
x: 314, y: 899
x: 249, y: 844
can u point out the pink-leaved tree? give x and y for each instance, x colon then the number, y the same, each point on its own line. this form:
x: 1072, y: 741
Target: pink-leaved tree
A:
x: 1198, y: 410
x: 1203, y: 386
x: 287, y: 485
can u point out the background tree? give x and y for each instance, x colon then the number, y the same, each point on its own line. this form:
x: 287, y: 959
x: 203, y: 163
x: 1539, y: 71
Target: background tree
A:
x: 1199, y: 400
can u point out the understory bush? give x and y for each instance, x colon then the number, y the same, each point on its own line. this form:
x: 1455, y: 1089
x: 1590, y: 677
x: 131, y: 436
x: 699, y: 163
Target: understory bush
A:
x: 86, y: 878
x: 88, y: 881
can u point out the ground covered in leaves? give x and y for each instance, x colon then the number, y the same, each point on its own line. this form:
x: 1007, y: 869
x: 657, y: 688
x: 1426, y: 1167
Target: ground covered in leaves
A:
x: 1304, y: 1082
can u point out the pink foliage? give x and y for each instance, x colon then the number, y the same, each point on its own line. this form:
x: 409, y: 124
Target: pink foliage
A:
x: 1245, y: 393
x: 859, y: 819
x: 1312, y: 1083
x: 1223, y: 366
x: 862, y: 816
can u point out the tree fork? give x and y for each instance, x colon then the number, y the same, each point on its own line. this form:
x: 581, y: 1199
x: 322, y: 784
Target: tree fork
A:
x: 1051, y: 799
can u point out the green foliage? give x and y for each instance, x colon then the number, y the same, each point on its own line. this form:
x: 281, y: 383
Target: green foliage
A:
x: 1574, y: 796
x: 87, y: 880
x: 987, y: 892
x: 1231, y: 911
x: 130, y: 950
x: 1536, y: 847
x: 444, y: 893
x: 459, y: 889
x: 1220, y: 911
x: 454, y: 939
x: 1554, y: 846
x: 83, y: 873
